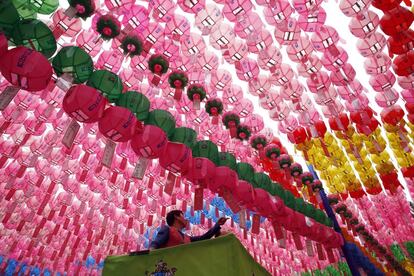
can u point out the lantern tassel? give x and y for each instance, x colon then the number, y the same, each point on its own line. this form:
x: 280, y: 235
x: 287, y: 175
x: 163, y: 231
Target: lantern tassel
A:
x: 177, y: 94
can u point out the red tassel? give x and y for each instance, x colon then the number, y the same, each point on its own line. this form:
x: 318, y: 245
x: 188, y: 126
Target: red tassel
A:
x: 177, y: 94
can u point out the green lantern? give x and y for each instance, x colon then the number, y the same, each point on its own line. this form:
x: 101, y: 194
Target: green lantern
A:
x: 74, y: 61
x: 8, y: 17
x: 206, y: 149
x: 185, y: 136
x: 33, y: 33
x: 24, y: 9
x: 245, y: 171
x: 289, y: 199
x: 44, y: 6
x: 261, y: 180
x: 300, y: 205
x: 108, y: 83
x: 276, y: 189
x: 162, y: 119
x: 228, y: 160
x: 136, y: 102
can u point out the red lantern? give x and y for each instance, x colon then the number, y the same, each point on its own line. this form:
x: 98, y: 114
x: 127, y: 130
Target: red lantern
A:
x: 361, y: 117
x: 84, y: 103
x: 396, y: 21
x: 118, y: 124
x: 267, y: 205
x: 245, y: 194
x: 150, y: 143
x: 224, y: 179
x: 202, y: 172
x: 401, y: 43
x: 386, y: 5
x: 403, y: 65
x: 26, y: 68
x: 339, y: 123
x: 176, y: 157
x: 298, y: 136
x: 367, y: 129
x: 392, y: 115
x: 3, y: 44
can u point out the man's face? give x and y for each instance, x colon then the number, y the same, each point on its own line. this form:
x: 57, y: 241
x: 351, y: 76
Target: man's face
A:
x: 182, y: 220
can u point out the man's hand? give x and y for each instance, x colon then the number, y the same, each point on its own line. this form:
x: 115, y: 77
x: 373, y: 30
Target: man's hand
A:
x: 222, y: 221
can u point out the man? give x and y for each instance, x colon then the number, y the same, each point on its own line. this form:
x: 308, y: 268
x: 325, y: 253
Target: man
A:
x: 171, y: 235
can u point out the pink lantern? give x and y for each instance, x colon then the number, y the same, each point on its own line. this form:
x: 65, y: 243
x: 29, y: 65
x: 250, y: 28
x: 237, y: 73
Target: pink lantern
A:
x: 311, y: 67
x: 270, y: 58
x: 232, y: 94
x: 282, y: 75
x: 63, y: 25
x: 254, y: 122
x: 386, y: 99
x: 365, y: 25
x: 118, y: 124
x: 300, y: 49
x: 194, y: 6
x: 235, y: 9
x: 280, y: 11
x: 292, y: 91
x: 260, y: 41
x: 343, y: 76
x: 151, y: 34
x: 312, y: 21
x: 247, y: 69
x: 222, y: 36
x: 110, y: 60
x: 371, y: 45
x: 270, y: 100
x: 87, y: 40
x: 333, y: 62
x: 168, y: 48
x: 245, y: 194
x: 248, y: 26
x: 132, y: 79
x: 243, y: 108
x: 84, y: 103
x: 280, y: 112
x: 136, y: 18
x: 352, y: 8
x: 150, y: 143
x: 288, y: 125
x: 325, y: 39
x: 259, y: 86
x: 192, y: 44
x: 377, y: 64
x: 207, y: 18
x: 177, y: 27
x: 208, y: 61
x: 176, y: 158
x: 162, y: 10
x: 382, y: 82
x: 119, y: 7
x: 406, y: 82
x: 305, y: 6
x: 287, y: 32
x: 320, y: 82
x: 202, y: 172
x: 220, y: 79
x: 236, y: 51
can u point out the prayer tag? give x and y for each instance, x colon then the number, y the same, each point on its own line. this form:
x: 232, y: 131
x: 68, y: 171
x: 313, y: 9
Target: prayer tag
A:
x: 140, y: 168
x: 256, y: 224
x: 169, y: 186
x: 198, y: 199
x: 7, y: 96
x: 108, y: 153
x: 70, y: 134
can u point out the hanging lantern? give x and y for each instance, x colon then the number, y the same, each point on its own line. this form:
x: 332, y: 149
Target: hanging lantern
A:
x: 4, y: 44
x: 259, y: 143
x: 196, y: 93
x: 150, y: 142
x: 162, y: 119
x: 74, y: 62
x: 131, y: 45
x: 403, y: 65
x: 8, y: 17
x: 261, y: 180
x: 82, y: 8
x: 185, y: 136
x: 158, y: 66
x: 45, y: 6
x: 285, y: 161
x: 296, y: 169
x: 26, y: 68
x: 214, y: 107
x: 245, y: 171
x: 84, y: 103
x: 178, y: 80
x: 118, y: 124
x: 34, y: 34
x: 108, y: 27
x: 243, y: 132
x: 231, y: 121
x: 136, y: 102
x: 176, y: 157
x: 108, y: 83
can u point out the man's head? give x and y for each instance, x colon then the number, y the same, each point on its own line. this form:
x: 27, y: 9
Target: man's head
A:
x: 176, y: 218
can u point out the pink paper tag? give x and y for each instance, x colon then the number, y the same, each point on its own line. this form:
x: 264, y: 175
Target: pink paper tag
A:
x: 309, y: 248
x: 140, y: 168
x: 256, y: 224
x: 7, y: 96
x: 70, y: 134
x: 108, y: 153
x: 242, y: 219
x: 198, y: 199
x: 169, y: 186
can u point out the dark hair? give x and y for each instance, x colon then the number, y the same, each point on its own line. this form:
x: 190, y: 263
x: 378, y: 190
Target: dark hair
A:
x: 171, y: 216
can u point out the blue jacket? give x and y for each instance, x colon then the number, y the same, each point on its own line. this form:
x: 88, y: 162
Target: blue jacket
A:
x: 163, y: 236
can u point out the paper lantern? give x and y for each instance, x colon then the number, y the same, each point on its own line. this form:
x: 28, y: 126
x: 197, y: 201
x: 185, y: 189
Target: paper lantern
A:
x: 202, y: 172
x: 184, y: 135
x: 261, y: 180
x: 162, y: 119
x: 84, y: 103
x: 73, y: 61
x: 150, y: 142
x: 396, y: 21
x: 108, y: 83
x: 136, y: 102
x: 9, y: 17
x: 225, y: 180
x: 245, y: 171
x: 44, y: 6
x: 403, y: 65
x: 118, y: 124
x: 245, y: 194
x: 26, y: 68
x: 176, y: 157
x: 34, y: 34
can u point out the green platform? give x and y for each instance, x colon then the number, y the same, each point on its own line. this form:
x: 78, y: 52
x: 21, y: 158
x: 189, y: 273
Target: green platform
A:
x: 223, y: 256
